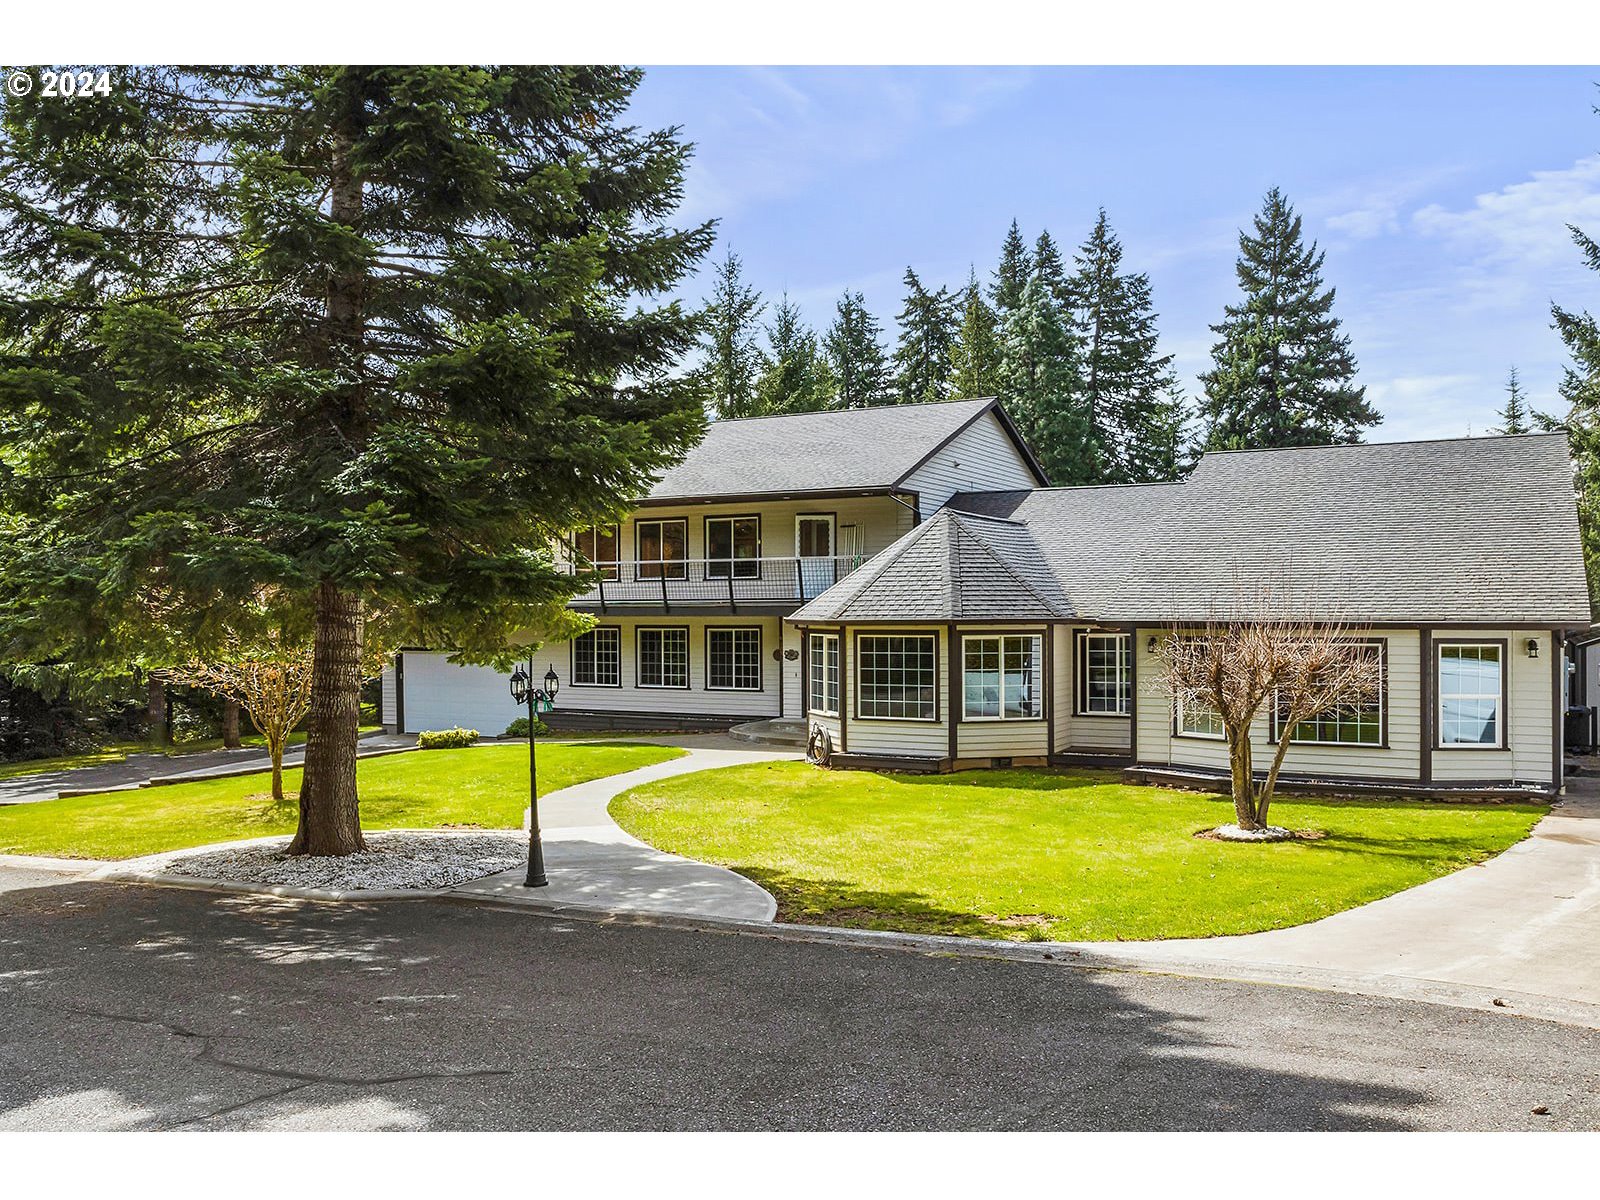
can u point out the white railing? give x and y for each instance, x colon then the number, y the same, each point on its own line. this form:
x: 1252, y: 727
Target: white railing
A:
x: 713, y: 580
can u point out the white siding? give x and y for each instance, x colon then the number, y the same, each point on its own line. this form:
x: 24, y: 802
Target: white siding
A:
x: 440, y: 694
x: 982, y: 458
x: 1528, y: 756
x: 792, y: 669
x: 1093, y: 734
x: 386, y: 705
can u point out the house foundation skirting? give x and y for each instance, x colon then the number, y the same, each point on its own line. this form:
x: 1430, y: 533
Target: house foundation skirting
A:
x: 639, y: 722
x: 1201, y: 779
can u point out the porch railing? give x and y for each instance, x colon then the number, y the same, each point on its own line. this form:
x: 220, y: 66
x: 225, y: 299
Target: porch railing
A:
x: 714, y: 581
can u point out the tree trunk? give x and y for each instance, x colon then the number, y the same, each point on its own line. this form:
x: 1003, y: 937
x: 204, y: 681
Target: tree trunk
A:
x: 1244, y: 796
x: 330, y: 817
x: 275, y: 751
x: 1271, y: 785
x: 230, y: 724
x: 156, y: 710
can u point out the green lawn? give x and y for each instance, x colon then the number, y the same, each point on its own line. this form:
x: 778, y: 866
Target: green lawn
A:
x: 118, y: 751
x: 1032, y: 854
x: 483, y: 786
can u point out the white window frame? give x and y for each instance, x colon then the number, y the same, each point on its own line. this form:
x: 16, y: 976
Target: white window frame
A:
x: 733, y: 631
x: 1220, y: 734
x: 860, y: 665
x: 1124, y: 674
x: 616, y: 639
x: 1502, y: 657
x: 823, y: 674
x: 638, y: 657
x: 1035, y: 684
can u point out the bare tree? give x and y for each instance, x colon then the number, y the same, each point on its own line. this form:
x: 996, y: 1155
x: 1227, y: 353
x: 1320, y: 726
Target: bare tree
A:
x: 1258, y: 653
x: 275, y: 691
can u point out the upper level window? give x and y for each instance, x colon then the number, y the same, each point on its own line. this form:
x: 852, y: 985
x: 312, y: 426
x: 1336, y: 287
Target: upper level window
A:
x: 663, y: 658
x: 597, y: 658
x: 1002, y: 677
x: 897, y: 677
x: 733, y: 547
x: 1356, y: 723
x: 597, y: 545
x: 733, y: 660
x: 1105, y: 674
x: 1471, y: 694
x: 661, y: 547
x: 823, y: 664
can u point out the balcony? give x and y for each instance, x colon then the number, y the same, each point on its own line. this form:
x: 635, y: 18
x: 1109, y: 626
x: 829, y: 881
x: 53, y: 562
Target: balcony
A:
x: 720, y: 584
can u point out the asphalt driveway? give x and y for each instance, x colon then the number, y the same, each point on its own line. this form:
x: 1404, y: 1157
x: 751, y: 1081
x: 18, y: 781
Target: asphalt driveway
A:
x: 143, y: 1008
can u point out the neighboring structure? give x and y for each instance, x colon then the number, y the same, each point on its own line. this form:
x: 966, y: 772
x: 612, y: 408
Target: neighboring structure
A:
x: 693, y: 587
x: 899, y: 578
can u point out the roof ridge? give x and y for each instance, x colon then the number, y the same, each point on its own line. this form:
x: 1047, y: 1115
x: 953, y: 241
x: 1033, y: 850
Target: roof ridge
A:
x: 836, y: 412
x: 1005, y: 566
x: 1469, y: 437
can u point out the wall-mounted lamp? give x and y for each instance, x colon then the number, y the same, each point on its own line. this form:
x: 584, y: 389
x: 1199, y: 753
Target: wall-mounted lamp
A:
x: 1533, y: 647
x: 1151, y: 644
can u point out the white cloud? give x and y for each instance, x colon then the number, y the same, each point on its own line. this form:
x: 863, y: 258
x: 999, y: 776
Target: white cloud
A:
x: 1524, y: 223
x: 1427, y: 406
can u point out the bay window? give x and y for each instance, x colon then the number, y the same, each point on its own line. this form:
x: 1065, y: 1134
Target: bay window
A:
x: 1002, y: 677
x: 824, y: 674
x: 897, y: 677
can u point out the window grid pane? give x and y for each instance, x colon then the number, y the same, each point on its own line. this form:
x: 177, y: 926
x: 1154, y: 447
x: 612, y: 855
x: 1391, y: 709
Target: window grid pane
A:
x: 895, y: 677
x: 664, y: 658
x: 1356, y: 724
x: 825, y: 674
x: 733, y: 659
x: 597, y: 658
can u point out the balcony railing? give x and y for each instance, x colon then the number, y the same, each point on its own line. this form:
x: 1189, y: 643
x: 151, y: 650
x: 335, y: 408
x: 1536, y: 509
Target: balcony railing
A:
x: 714, y: 581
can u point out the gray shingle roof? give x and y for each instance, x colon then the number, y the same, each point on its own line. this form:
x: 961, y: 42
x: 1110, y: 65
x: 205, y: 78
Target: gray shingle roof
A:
x: 1474, y: 530
x: 836, y: 450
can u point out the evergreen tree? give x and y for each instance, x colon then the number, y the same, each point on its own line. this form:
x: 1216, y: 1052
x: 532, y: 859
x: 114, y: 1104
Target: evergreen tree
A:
x: 1127, y: 385
x: 1580, y: 388
x: 1049, y: 267
x: 1038, y: 372
x: 733, y: 360
x: 1283, y: 374
x: 364, y: 337
x: 1514, y: 416
x: 1169, y: 452
x: 975, y: 358
x: 1012, y: 275
x: 927, y: 336
x: 855, y: 354
x: 797, y: 377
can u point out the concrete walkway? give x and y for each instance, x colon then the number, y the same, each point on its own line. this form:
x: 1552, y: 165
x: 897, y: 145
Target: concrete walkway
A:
x: 1525, y: 926
x: 593, y: 865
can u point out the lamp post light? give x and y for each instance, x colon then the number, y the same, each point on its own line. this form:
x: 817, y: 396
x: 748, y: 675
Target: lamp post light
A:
x: 538, y: 700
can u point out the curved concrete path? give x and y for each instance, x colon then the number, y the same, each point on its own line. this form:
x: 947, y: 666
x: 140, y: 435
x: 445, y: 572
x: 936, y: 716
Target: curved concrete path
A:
x: 594, y: 865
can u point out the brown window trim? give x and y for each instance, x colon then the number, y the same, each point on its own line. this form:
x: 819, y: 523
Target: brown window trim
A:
x: 683, y: 567
x: 761, y: 662
x: 612, y: 572
x: 705, y: 534
x: 1502, y: 721
x: 855, y: 666
x: 688, y: 666
x: 572, y: 660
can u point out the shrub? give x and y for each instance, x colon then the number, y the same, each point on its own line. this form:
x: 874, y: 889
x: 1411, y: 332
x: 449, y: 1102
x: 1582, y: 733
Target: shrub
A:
x: 446, y: 739
x: 519, y: 728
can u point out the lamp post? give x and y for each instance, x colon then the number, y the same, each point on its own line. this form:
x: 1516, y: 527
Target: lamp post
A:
x: 538, y: 700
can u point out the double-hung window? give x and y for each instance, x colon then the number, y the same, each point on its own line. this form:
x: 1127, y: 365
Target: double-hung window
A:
x: 1471, y: 694
x: 733, y: 547
x: 661, y: 547
x: 663, y: 658
x: 1105, y: 675
x: 897, y: 676
x: 733, y: 660
x: 597, y: 658
x: 597, y: 546
x: 824, y: 680
x: 1002, y: 677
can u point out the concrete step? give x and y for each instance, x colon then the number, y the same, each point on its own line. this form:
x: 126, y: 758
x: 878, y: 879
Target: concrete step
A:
x: 780, y: 731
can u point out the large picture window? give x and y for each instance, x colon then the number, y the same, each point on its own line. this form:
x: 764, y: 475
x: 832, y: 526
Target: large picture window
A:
x: 1471, y: 694
x: 597, y: 545
x: 597, y: 658
x: 1359, y: 723
x: 824, y: 666
x: 733, y: 660
x: 663, y: 658
x: 1105, y: 675
x: 733, y: 547
x: 897, y: 677
x: 661, y: 547
x: 1002, y: 677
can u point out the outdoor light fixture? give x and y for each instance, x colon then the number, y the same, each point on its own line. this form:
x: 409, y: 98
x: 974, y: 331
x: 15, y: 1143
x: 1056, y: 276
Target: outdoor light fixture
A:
x: 1533, y: 647
x: 538, y: 700
x: 1151, y: 644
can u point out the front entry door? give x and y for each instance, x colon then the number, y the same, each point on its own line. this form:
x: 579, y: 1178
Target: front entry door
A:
x: 813, y: 546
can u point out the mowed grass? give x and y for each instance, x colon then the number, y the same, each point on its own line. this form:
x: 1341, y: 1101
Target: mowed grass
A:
x: 1033, y: 854
x: 483, y: 786
x: 118, y: 752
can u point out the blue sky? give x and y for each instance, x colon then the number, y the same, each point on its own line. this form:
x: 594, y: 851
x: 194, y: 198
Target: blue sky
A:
x: 1441, y: 196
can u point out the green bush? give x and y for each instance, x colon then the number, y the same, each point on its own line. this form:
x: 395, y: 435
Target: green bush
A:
x: 446, y: 739
x: 519, y: 728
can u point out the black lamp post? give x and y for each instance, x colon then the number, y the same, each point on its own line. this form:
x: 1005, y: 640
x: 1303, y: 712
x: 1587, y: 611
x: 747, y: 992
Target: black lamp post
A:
x: 538, y: 700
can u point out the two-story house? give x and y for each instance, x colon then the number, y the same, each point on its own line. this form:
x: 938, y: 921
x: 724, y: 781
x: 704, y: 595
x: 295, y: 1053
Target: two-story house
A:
x: 693, y: 588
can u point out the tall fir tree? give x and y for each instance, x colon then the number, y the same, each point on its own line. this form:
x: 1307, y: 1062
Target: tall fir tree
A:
x: 1284, y: 374
x: 975, y: 358
x: 854, y: 345
x: 369, y: 339
x: 1514, y: 417
x: 1127, y: 385
x: 928, y: 332
x: 796, y: 377
x: 732, y: 352
x: 1051, y: 269
x: 1038, y: 372
x: 1011, y: 275
x: 1580, y: 388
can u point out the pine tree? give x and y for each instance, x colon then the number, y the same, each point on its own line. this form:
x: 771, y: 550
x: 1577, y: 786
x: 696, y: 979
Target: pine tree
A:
x: 733, y: 360
x: 1580, y: 388
x: 975, y: 358
x: 1284, y: 374
x: 366, y: 337
x: 1126, y: 384
x: 796, y: 377
x: 1049, y: 267
x: 1514, y: 416
x: 1169, y: 452
x: 1038, y: 372
x: 927, y: 336
x: 1012, y: 275
x: 854, y: 343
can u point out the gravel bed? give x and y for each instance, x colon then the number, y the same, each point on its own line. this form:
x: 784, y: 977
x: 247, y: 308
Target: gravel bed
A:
x: 391, y: 861
x: 1268, y: 833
